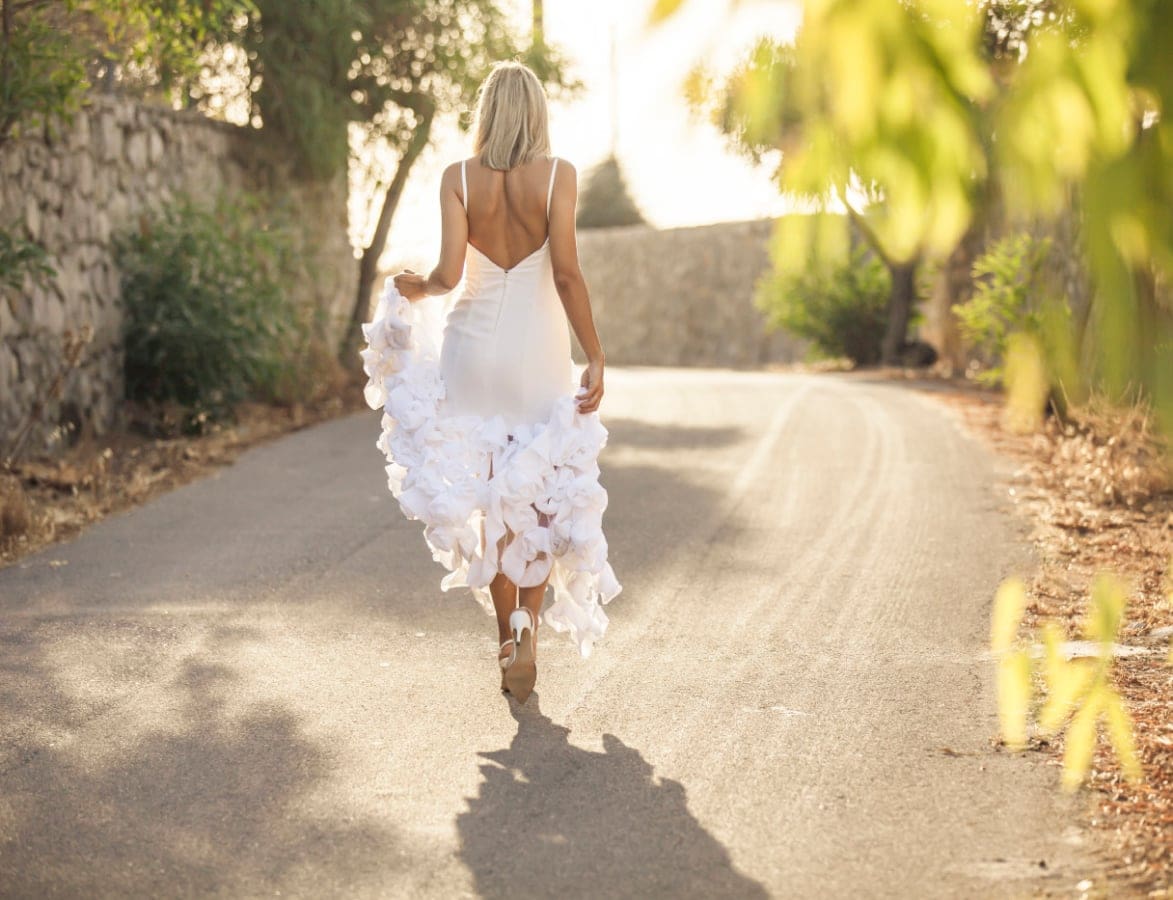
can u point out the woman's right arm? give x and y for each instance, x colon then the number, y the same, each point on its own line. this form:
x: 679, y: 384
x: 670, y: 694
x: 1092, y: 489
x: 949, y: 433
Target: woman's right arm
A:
x: 453, y: 242
x: 572, y: 287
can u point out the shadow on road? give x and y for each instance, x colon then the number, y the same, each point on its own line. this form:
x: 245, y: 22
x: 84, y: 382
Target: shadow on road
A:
x: 552, y: 819
x: 635, y: 433
x: 205, y: 802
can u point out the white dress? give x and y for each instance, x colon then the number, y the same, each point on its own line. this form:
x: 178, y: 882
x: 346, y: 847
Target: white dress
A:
x: 484, y: 441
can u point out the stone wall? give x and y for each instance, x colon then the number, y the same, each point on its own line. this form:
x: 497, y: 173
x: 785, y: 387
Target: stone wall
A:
x: 682, y: 296
x: 74, y: 187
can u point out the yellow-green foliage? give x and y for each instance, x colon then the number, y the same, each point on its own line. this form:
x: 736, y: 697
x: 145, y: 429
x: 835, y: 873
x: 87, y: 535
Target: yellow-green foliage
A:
x: 926, y: 108
x: 1078, y: 694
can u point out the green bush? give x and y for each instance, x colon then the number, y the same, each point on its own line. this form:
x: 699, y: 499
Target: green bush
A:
x: 841, y: 308
x: 208, y: 323
x: 1008, y: 298
x: 19, y: 258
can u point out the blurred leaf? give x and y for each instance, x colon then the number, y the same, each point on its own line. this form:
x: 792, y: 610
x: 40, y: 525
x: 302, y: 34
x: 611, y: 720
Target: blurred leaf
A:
x: 1027, y: 384
x: 663, y: 9
x: 952, y: 111
x: 1080, y: 741
x: 1121, y: 735
x: 1014, y: 692
x: 1106, y: 611
x: 1067, y: 681
x: 1009, y: 606
x: 698, y: 87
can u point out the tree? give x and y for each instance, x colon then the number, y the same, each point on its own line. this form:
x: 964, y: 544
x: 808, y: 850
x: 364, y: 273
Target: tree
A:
x: 778, y: 100
x: 926, y: 101
x: 605, y: 200
x: 52, y: 51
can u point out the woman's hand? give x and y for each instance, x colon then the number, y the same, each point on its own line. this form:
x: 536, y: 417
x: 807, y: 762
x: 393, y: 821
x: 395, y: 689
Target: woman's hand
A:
x: 411, y: 286
x: 592, y: 383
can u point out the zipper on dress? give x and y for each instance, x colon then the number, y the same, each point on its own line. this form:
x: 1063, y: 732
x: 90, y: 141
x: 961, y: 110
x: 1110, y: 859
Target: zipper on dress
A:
x: 501, y: 302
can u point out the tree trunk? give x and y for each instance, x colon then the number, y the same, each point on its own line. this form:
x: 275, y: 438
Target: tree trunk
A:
x: 368, y: 266
x: 538, y: 37
x: 953, y: 286
x: 899, y: 311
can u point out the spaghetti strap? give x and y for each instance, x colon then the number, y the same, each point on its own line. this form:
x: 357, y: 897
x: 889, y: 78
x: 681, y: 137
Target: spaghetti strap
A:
x: 550, y: 189
x: 464, y: 185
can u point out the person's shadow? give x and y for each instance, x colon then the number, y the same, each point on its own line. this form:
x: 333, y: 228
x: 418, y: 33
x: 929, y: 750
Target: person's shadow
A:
x: 554, y: 820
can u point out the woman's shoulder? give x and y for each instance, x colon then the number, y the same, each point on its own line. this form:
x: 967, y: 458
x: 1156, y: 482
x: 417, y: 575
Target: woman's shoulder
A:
x: 453, y: 169
x: 564, y: 165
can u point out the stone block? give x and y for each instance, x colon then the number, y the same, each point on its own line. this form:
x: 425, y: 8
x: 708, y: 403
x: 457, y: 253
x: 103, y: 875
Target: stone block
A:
x: 109, y: 283
x: 85, y: 175
x: 51, y: 314
x: 81, y: 129
x: 118, y: 210
x: 109, y: 136
x: 88, y: 255
x: 36, y: 154
x: 155, y: 147
x: 102, y: 231
x: 7, y: 372
x: 12, y: 161
x: 32, y: 217
x: 70, y: 282
x: 54, y: 196
x: 104, y: 180
x: 136, y: 151
x: 7, y: 319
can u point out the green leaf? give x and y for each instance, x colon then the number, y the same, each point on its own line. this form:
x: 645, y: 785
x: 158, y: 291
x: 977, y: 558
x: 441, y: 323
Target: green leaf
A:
x: 1080, y: 741
x: 1014, y: 694
x: 662, y: 10
x: 1027, y: 383
x: 1067, y: 682
x: 1120, y: 733
x: 1107, y: 610
x: 1009, y: 606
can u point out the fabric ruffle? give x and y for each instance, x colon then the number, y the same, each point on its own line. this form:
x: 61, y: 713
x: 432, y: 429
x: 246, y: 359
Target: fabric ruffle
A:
x: 479, y: 486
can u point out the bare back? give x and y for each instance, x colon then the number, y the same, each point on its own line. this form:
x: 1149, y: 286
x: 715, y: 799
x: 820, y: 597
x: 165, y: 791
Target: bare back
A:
x: 507, y: 210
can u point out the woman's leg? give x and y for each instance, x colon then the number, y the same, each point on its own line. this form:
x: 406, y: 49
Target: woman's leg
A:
x: 531, y: 598
x: 504, y: 594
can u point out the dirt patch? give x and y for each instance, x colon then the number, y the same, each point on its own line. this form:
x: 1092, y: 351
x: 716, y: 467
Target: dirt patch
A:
x: 1099, y: 497
x: 45, y: 501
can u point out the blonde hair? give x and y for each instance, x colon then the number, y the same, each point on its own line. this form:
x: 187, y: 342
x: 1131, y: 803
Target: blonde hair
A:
x: 512, y: 125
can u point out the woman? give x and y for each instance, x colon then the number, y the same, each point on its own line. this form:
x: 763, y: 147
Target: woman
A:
x: 486, y: 441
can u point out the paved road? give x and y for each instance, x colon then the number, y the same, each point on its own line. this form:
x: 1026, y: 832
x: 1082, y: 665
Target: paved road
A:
x: 252, y: 686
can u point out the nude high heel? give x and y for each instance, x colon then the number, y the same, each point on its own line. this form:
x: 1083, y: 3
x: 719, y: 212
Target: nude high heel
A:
x: 522, y: 671
x: 505, y: 661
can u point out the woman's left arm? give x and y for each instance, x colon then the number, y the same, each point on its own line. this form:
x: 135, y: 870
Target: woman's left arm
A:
x: 453, y: 241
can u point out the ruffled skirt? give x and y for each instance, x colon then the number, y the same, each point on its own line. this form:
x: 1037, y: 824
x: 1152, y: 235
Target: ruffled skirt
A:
x: 522, y: 500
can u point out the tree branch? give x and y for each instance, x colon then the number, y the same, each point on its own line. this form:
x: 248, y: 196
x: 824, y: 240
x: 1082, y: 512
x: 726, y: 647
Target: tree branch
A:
x: 865, y: 229
x: 368, y: 265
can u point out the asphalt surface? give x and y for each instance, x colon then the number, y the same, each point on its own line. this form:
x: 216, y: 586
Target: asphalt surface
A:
x: 253, y: 686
